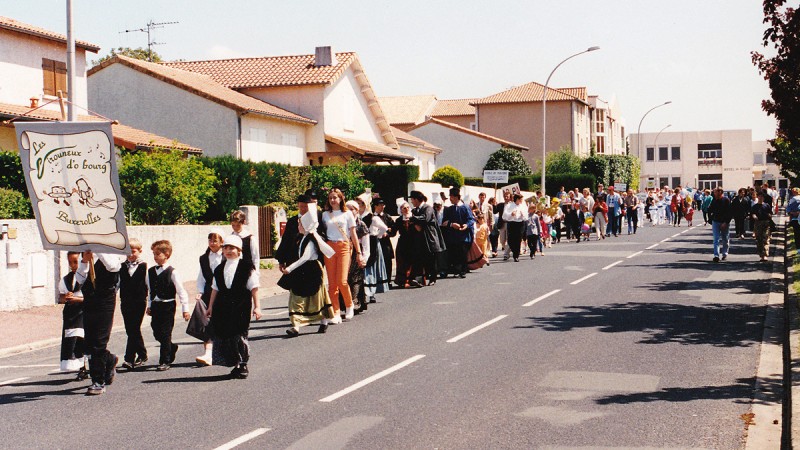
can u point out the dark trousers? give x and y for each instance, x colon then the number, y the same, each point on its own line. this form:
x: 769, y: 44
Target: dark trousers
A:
x: 133, y: 314
x: 739, y: 224
x: 162, y: 322
x: 98, y: 319
x: 633, y: 219
x: 72, y: 347
x: 612, y: 228
x: 533, y: 243
x: 427, y: 266
x: 493, y: 237
x: 457, y: 257
x: 515, y: 237
x: 557, y: 226
x: 796, y: 228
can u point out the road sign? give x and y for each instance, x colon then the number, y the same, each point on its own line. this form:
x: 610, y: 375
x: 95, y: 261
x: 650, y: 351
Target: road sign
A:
x: 495, y: 176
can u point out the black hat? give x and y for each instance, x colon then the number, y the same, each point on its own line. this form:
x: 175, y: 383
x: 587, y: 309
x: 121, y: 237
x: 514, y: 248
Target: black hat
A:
x: 378, y: 201
x: 455, y: 192
x: 303, y: 198
x: 417, y: 195
x: 311, y: 194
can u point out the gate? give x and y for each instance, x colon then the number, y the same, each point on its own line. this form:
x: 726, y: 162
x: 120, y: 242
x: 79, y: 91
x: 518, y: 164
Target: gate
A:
x: 266, y: 245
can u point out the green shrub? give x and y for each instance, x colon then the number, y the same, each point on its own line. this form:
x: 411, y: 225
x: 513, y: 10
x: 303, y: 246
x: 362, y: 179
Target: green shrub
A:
x: 610, y: 168
x: 391, y: 182
x: 296, y: 181
x: 563, y: 161
x: 11, y: 176
x: 569, y: 181
x: 349, y: 178
x: 448, y: 176
x: 596, y: 166
x: 508, y: 159
x: 164, y: 188
x: 14, y: 205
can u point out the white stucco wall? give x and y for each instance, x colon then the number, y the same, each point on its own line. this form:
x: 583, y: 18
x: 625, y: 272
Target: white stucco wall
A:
x: 21, y: 68
x: 273, y: 140
x: 463, y: 151
x: 346, y: 110
x: 141, y: 101
x: 426, y: 161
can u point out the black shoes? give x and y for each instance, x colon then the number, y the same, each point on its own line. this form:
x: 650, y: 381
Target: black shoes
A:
x: 716, y: 259
x: 82, y: 374
x: 292, y: 332
x: 138, y: 362
x: 240, y: 372
x: 111, y: 369
x: 372, y: 300
x: 174, y: 352
x: 462, y: 275
x: 323, y: 328
x: 163, y: 367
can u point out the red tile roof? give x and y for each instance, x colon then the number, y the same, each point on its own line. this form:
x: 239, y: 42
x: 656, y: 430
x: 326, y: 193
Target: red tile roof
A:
x: 404, y: 137
x: 368, y: 148
x: 14, y: 25
x: 124, y: 136
x: 577, y: 92
x: 205, y: 87
x: 453, y: 126
x: 533, y: 92
x: 271, y: 71
x: 407, y: 110
x: 460, y: 107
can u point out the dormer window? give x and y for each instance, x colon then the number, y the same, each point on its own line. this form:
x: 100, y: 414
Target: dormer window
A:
x: 54, y: 75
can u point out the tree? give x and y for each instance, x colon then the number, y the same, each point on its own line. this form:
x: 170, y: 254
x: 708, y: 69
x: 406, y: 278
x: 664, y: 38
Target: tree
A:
x: 135, y: 53
x: 563, y: 161
x: 782, y: 72
x: 448, y: 176
x: 510, y: 160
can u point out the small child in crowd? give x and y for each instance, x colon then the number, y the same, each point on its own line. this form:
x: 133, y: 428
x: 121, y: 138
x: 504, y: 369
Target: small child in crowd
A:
x: 249, y: 249
x: 133, y: 302
x: 533, y: 230
x: 165, y: 284
x: 208, y: 263
x: 72, y: 342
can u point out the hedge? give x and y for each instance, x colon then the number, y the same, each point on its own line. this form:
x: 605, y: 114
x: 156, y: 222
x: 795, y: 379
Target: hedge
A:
x: 11, y: 176
x: 569, y: 181
x: 391, y: 182
x: 526, y: 182
x: 14, y: 205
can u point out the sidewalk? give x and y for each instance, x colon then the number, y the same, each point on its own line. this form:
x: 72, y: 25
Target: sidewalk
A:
x: 40, y: 327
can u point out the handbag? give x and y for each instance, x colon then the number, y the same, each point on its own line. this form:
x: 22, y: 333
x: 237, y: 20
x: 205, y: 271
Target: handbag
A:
x: 198, y: 324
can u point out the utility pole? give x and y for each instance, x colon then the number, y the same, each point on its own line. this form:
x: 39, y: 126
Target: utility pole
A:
x: 147, y: 29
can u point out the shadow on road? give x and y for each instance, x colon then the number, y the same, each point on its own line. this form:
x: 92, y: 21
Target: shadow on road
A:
x: 740, y: 392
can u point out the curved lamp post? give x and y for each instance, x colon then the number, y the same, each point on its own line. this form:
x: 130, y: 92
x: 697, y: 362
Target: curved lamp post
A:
x: 544, y: 111
x: 655, y: 149
x: 639, y: 130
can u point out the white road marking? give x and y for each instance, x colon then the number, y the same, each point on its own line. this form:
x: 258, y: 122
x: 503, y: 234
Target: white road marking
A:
x: 369, y: 380
x: 665, y: 240
x: 612, y: 265
x: 503, y: 282
x: 676, y: 235
x: 29, y: 366
x: 652, y: 247
x: 584, y: 278
x: 538, y: 299
x: 12, y: 381
x: 636, y: 254
x: 241, y: 440
x: 280, y: 313
x: 478, y: 328
x: 685, y: 231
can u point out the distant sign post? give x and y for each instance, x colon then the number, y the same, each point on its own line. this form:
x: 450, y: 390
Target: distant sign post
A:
x: 495, y: 176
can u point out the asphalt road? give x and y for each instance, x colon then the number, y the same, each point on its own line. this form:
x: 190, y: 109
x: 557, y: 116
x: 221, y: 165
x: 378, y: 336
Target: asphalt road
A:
x: 632, y: 342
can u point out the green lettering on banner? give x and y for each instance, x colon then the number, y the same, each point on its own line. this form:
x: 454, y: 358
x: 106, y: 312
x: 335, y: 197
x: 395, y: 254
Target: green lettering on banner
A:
x: 40, y: 166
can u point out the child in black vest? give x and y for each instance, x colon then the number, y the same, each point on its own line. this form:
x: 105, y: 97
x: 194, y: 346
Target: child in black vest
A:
x: 249, y: 246
x: 133, y: 302
x: 72, y: 342
x: 208, y: 262
x: 164, y: 285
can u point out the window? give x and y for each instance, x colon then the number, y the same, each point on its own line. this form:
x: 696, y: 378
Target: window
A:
x: 54, y: 75
x: 709, y: 180
x: 663, y: 181
x: 709, y: 154
x: 676, y: 153
x: 676, y: 181
x: 651, y: 154
x: 770, y: 159
x: 758, y: 159
x: 601, y: 144
x: 600, y: 118
x: 663, y: 153
x: 472, y: 127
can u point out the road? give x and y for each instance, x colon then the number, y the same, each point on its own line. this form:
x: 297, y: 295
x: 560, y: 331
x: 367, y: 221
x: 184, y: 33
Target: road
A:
x: 632, y: 342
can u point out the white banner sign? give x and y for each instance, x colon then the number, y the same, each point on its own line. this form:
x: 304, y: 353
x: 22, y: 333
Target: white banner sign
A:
x: 512, y: 189
x: 495, y: 176
x: 71, y: 172
x: 620, y: 187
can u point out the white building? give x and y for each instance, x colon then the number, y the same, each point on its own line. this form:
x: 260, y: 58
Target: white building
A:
x: 608, y: 126
x: 704, y: 159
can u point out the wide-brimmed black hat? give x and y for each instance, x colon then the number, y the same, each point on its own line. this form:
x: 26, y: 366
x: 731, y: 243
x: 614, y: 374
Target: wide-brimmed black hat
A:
x: 417, y: 195
x: 378, y: 201
x: 303, y: 198
x: 456, y: 192
x: 311, y: 194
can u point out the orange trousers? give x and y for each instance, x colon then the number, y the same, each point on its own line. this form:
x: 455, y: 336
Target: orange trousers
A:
x: 337, y: 268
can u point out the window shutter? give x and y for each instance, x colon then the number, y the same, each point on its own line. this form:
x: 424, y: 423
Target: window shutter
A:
x: 61, y: 76
x: 48, y: 76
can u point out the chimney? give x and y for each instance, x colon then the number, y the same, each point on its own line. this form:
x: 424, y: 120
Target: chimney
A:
x: 323, y: 56
x: 34, y: 102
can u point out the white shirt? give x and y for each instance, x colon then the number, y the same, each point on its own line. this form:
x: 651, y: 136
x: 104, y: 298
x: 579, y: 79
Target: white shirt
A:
x: 253, y: 247
x: 334, y: 220
x: 180, y: 292
x: 63, y: 289
x: 513, y: 212
x: 230, y: 271
x: 213, y: 261
x: 309, y: 254
x: 112, y: 262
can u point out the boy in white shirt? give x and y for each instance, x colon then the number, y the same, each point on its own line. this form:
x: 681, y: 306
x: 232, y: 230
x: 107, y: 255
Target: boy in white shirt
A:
x: 165, y: 285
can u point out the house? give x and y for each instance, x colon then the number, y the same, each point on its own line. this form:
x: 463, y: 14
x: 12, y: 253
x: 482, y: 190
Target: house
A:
x: 33, y: 69
x: 608, y: 128
x: 516, y: 115
x: 465, y: 149
x: 330, y: 91
x: 459, y: 111
x: 423, y: 152
x: 406, y: 111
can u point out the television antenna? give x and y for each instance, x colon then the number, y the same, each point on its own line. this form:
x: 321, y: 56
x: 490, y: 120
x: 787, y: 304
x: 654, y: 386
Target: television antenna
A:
x: 147, y: 29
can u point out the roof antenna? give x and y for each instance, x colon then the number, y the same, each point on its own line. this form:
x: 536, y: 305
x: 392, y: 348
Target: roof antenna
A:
x: 150, y: 43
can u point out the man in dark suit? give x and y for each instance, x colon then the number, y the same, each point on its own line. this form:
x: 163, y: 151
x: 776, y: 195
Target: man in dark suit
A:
x: 423, y: 217
x: 386, y: 241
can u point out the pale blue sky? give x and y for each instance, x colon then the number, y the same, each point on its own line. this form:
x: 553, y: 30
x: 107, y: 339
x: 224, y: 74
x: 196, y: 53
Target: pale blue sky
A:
x: 695, y: 53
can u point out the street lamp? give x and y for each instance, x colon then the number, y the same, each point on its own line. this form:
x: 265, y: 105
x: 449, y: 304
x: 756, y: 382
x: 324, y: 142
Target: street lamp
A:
x: 655, y: 149
x: 639, y: 130
x: 544, y: 111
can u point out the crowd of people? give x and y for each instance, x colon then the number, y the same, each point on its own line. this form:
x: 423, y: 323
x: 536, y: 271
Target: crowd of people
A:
x: 338, y: 256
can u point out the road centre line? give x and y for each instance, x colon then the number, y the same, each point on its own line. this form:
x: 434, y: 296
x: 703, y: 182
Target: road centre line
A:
x: 635, y: 254
x: 12, y: 381
x: 584, y: 278
x: 652, y: 247
x: 612, y: 265
x: 676, y: 235
x: 665, y: 240
x: 369, y: 380
x: 538, y: 299
x: 478, y: 328
x: 685, y: 231
x: 242, y: 439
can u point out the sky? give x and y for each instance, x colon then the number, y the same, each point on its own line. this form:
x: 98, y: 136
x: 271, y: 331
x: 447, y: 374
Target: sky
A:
x: 693, y: 53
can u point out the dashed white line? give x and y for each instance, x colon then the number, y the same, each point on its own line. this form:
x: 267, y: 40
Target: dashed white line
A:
x: 612, y: 265
x: 538, y: 299
x: 241, y: 440
x: 685, y: 231
x: 12, y: 381
x: 635, y: 254
x: 369, y: 380
x: 584, y: 278
x: 676, y: 235
x: 652, y: 247
x: 665, y: 240
x: 478, y: 328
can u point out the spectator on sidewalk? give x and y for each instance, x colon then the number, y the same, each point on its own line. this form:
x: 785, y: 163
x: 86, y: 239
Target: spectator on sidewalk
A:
x: 741, y: 209
x: 761, y: 213
x: 793, y: 211
x: 720, y: 213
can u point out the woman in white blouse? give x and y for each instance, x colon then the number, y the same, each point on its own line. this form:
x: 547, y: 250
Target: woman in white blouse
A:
x: 514, y: 214
x: 343, y: 239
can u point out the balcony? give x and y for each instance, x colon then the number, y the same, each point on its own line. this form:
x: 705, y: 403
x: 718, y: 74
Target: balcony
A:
x: 708, y: 162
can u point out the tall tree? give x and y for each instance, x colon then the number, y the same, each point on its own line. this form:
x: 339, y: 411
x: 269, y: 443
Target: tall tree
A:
x: 782, y: 72
x: 136, y: 53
